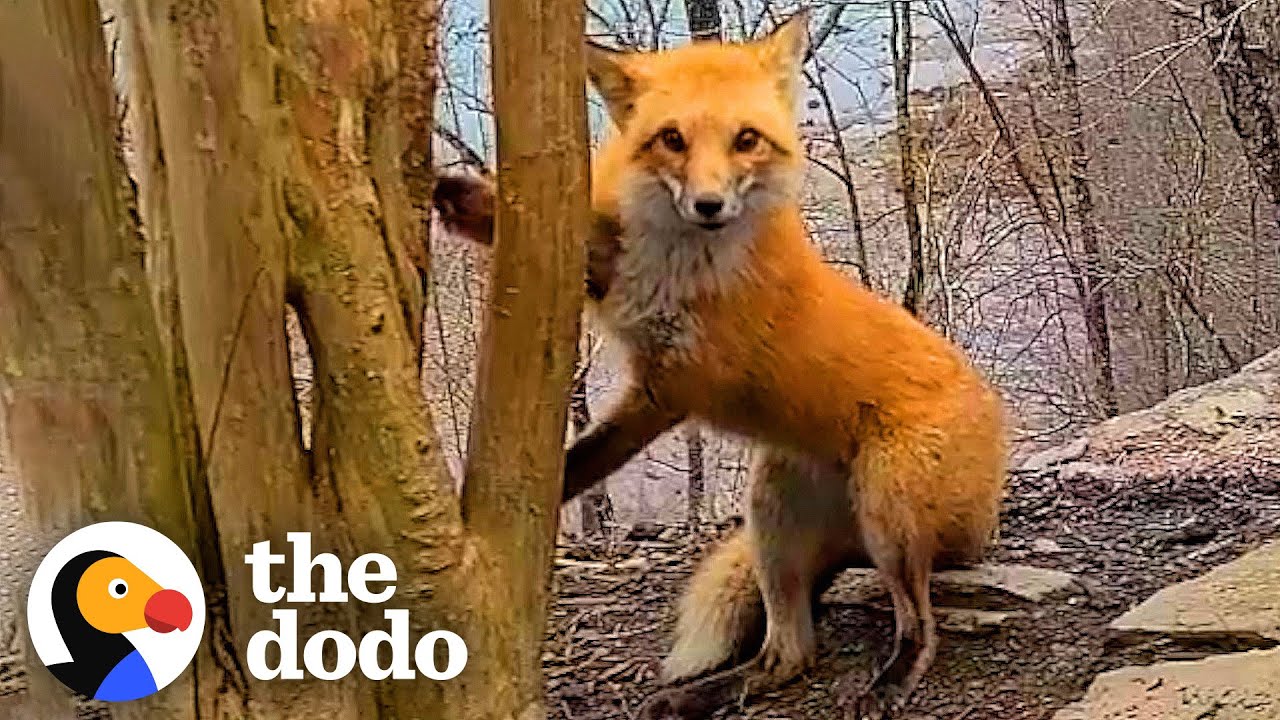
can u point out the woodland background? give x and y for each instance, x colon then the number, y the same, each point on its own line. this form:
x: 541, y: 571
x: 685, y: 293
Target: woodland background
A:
x: 1092, y: 228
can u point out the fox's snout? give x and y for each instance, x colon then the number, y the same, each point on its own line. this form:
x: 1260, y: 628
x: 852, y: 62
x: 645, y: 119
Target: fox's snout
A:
x: 712, y: 208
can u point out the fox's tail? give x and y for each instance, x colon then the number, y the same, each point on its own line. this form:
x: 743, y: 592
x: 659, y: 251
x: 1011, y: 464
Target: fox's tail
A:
x: 721, y: 616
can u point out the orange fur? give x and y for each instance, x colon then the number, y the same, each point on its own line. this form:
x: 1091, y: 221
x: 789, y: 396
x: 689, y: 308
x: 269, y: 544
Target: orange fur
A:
x: 881, y: 444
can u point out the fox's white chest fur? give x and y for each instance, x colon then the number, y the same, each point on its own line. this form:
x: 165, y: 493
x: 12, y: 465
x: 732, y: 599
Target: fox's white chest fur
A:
x: 667, y: 263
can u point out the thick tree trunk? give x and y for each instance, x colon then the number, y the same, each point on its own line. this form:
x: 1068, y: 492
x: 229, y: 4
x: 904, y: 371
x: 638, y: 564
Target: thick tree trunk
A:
x: 1096, y: 320
x: 96, y: 424
x: 279, y: 149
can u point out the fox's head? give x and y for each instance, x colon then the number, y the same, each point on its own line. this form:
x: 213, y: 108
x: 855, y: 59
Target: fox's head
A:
x: 707, y: 131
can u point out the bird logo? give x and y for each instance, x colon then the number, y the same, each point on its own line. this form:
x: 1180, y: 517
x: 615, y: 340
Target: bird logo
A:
x: 116, y: 611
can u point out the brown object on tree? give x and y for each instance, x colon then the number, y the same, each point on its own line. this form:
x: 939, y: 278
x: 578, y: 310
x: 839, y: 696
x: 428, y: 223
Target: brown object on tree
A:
x: 465, y: 205
x: 900, y: 40
x: 277, y: 157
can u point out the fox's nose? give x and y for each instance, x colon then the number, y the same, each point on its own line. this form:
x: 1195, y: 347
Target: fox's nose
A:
x: 708, y: 206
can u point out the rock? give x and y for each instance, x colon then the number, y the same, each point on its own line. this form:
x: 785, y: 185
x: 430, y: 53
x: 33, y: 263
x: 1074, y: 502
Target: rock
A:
x: 1024, y: 582
x: 645, y: 530
x: 1056, y: 455
x: 1078, y: 471
x: 1242, y: 686
x: 634, y: 563
x: 1046, y: 545
x: 1239, y: 600
x: 969, y: 621
x: 984, y: 583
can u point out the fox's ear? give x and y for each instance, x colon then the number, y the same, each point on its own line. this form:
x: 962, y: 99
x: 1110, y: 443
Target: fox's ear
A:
x: 783, y: 51
x: 613, y: 79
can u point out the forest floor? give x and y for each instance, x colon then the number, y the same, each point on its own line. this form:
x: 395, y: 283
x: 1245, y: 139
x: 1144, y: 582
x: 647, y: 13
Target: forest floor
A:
x: 615, y: 606
x: 1138, y: 504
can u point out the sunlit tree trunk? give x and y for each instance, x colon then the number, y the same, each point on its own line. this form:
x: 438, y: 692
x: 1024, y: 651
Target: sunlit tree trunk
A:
x: 282, y: 153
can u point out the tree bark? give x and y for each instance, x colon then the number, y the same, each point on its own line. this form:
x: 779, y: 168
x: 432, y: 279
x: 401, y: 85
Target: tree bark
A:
x: 511, y: 496
x: 280, y: 153
x: 1096, y: 320
x: 594, y: 504
x: 96, y: 424
x: 1246, y: 61
x: 704, y: 20
x: 697, y: 476
x: 900, y: 40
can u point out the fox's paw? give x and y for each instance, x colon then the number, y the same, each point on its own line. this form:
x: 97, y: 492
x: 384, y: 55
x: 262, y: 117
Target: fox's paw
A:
x: 465, y: 203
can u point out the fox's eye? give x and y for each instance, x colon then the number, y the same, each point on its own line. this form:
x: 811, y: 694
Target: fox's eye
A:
x: 746, y: 141
x: 672, y: 140
x: 118, y: 588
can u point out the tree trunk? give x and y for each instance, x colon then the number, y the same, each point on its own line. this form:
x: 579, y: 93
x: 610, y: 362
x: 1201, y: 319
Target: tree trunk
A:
x: 97, y: 427
x: 1246, y: 61
x: 281, y: 153
x: 704, y: 20
x: 1097, y: 324
x: 697, y: 476
x: 900, y: 40
x: 511, y: 497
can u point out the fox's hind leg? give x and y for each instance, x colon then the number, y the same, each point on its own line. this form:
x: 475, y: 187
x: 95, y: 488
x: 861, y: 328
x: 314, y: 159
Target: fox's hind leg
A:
x: 899, y: 530
x: 800, y: 529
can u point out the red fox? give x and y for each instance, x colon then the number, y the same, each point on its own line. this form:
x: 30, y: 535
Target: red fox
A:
x: 879, y: 445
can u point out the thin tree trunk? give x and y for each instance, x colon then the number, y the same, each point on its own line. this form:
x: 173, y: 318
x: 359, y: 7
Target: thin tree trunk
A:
x: 1246, y: 61
x: 900, y: 40
x: 704, y: 25
x: 704, y: 20
x: 1096, y: 321
x: 845, y: 175
x: 697, y: 476
x: 514, y: 476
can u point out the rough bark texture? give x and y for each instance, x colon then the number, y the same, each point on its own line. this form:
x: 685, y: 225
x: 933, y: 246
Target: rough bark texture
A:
x: 1096, y: 321
x: 282, y: 157
x: 900, y: 40
x: 96, y: 425
x: 1247, y: 64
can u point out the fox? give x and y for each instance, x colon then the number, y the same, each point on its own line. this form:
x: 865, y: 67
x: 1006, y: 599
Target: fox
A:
x: 876, y: 443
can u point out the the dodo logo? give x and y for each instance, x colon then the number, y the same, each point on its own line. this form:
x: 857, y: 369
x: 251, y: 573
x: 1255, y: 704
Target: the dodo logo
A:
x: 116, y: 611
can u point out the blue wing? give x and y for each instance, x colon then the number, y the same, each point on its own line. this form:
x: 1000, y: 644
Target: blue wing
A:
x: 130, y: 679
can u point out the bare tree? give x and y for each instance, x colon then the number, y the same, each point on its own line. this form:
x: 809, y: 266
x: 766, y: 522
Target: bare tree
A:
x: 1246, y: 61
x: 704, y: 20
x: 900, y: 41
x: 1096, y: 320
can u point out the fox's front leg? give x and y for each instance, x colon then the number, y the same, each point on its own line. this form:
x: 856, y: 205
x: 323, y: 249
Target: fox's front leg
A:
x: 465, y: 203
x: 634, y: 423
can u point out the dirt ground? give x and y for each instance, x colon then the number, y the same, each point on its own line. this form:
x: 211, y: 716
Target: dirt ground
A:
x: 1122, y: 537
